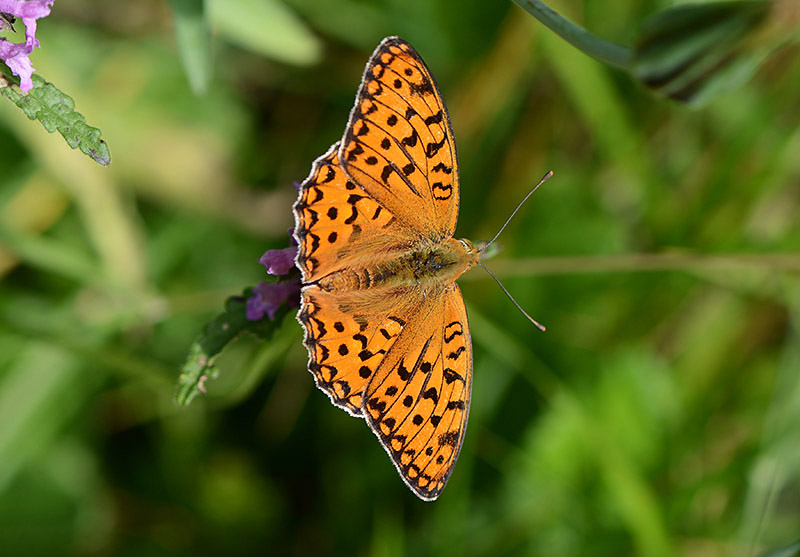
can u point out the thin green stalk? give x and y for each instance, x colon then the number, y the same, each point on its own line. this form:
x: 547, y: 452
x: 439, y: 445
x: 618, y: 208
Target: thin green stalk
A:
x: 638, y: 262
x: 596, y: 47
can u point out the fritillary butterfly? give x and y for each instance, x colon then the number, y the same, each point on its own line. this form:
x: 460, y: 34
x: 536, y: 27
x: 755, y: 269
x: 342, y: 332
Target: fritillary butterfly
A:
x: 384, y: 321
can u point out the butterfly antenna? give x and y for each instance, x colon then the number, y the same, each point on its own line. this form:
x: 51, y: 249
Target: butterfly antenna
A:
x: 510, y: 297
x: 530, y: 193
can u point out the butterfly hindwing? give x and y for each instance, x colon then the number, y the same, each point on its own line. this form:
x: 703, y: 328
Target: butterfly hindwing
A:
x: 345, y: 344
x: 398, y: 144
x: 417, y: 402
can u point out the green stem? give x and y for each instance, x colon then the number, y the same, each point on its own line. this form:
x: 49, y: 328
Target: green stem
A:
x: 638, y: 262
x: 600, y: 49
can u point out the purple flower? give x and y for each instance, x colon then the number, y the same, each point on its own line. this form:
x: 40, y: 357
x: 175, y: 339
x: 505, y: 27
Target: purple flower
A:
x: 16, y: 55
x: 279, y: 261
x: 268, y: 297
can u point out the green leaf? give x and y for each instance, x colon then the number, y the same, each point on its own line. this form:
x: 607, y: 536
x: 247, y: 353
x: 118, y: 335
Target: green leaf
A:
x: 56, y: 111
x: 217, y: 334
x: 267, y: 27
x: 193, y: 37
x: 589, y: 43
x: 693, y: 52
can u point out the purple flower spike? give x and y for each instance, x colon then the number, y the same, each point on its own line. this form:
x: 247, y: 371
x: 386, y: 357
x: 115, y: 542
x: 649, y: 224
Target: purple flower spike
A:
x: 16, y: 55
x: 279, y: 261
x: 268, y: 297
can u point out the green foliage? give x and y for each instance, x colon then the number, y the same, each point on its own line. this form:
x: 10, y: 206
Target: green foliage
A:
x: 56, y: 111
x: 267, y: 27
x: 690, y: 53
x: 657, y: 415
x: 217, y: 334
x: 193, y: 38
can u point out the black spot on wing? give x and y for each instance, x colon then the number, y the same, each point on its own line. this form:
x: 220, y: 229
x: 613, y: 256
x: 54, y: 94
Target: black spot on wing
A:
x: 353, y: 216
x: 441, y: 167
x: 451, y: 375
x: 432, y: 148
x: 434, y: 119
x: 411, y: 140
x: 423, y: 87
x: 403, y: 372
x: 442, y: 192
x: 449, y: 438
x: 352, y: 155
x: 452, y: 330
x: 377, y: 404
x: 431, y: 394
x: 454, y: 355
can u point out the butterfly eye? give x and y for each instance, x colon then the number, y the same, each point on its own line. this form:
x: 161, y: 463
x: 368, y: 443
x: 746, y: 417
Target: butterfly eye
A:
x: 467, y: 244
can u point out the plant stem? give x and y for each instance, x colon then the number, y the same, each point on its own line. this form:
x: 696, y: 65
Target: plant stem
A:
x: 638, y: 262
x: 596, y: 47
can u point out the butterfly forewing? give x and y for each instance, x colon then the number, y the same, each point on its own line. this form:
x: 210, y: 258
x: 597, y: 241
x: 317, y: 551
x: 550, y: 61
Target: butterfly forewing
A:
x: 338, y: 226
x: 399, y: 143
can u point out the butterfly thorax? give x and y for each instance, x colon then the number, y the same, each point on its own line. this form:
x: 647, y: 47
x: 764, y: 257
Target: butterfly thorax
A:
x: 424, y: 265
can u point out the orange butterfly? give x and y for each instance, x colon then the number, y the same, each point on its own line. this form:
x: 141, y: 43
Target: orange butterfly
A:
x: 384, y: 321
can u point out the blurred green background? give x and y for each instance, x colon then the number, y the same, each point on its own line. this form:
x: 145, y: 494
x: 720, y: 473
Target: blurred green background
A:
x: 658, y: 415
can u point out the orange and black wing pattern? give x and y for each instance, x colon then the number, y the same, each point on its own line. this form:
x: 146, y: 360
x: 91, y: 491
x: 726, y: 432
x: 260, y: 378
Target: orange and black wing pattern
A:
x: 399, y: 143
x: 417, y: 403
x: 390, y: 351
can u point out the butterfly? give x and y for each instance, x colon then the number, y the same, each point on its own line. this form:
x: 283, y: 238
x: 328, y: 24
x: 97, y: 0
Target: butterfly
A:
x: 384, y: 321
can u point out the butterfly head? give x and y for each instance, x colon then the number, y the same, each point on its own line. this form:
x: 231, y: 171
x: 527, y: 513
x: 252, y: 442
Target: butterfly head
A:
x: 469, y: 252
